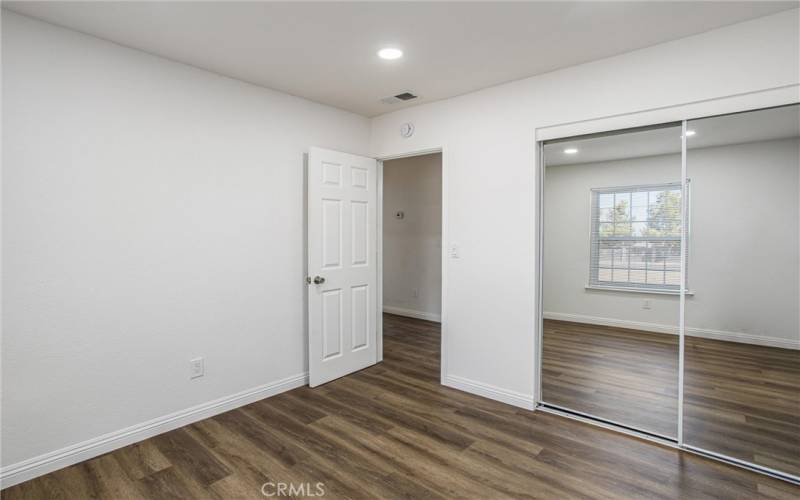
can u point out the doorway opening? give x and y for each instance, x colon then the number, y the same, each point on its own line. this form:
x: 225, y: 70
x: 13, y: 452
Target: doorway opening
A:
x: 347, y: 220
x: 410, y: 270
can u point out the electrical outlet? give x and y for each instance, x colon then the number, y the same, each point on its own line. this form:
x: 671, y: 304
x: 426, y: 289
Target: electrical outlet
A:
x: 196, y: 368
x: 646, y: 304
x: 455, y: 251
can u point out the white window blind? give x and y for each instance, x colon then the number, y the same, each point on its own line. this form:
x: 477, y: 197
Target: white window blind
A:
x: 636, y: 237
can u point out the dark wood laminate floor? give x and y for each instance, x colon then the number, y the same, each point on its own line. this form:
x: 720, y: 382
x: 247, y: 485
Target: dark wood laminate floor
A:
x: 744, y: 401
x: 621, y: 375
x: 391, y: 431
x: 740, y: 400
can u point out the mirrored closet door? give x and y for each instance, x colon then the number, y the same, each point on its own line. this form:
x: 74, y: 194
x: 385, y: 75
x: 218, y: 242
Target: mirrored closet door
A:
x: 742, y: 316
x: 670, y: 284
x: 611, y: 277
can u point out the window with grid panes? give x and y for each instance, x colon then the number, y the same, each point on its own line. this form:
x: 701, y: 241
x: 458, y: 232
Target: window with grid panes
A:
x: 636, y: 237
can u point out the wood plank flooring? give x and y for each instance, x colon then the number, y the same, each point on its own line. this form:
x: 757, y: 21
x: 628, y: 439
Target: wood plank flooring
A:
x: 625, y: 376
x: 740, y: 400
x: 744, y: 401
x: 391, y: 431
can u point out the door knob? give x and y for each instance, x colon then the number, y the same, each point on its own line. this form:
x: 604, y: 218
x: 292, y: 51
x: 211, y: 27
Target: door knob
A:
x: 318, y: 280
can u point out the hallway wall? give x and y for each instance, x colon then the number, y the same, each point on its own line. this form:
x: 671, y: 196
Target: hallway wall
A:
x: 412, y: 246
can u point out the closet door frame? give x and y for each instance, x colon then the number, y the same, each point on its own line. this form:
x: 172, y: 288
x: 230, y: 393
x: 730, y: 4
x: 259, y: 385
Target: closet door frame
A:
x: 680, y: 113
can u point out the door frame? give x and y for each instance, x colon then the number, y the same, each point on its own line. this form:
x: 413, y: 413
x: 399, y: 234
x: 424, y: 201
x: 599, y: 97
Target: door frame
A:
x: 445, y: 245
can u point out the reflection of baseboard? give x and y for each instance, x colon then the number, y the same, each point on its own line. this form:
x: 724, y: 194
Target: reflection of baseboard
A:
x: 489, y: 391
x: 37, y: 466
x: 413, y: 314
x: 744, y: 338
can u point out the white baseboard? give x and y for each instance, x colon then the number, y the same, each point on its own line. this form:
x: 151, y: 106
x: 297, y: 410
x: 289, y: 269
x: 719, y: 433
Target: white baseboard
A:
x: 49, y: 462
x: 617, y: 323
x: 742, y: 338
x: 413, y: 314
x: 489, y: 391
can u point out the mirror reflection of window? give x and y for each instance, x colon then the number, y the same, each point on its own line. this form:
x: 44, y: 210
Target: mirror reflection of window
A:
x: 636, y: 237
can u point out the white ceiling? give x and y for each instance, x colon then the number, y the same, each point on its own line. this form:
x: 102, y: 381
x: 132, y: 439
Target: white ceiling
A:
x: 325, y: 51
x: 739, y: 128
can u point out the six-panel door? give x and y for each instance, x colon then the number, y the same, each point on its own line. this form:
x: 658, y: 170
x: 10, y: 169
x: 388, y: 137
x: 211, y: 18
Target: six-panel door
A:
x: 342, y: 243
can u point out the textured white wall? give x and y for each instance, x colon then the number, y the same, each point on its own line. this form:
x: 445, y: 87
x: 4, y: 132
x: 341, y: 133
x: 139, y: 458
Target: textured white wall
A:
x: 152, y: 212
x: 412, y: 247
x: 744, y: 246
x: 490, y: 185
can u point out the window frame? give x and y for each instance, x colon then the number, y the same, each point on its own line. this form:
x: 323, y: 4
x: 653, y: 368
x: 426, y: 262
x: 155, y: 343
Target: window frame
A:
x: 594, y: 229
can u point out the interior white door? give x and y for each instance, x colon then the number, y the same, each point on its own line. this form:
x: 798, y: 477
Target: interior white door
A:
x: 342, y: 264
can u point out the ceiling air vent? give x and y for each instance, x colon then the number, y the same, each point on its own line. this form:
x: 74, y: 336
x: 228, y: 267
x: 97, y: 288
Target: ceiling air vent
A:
x: 405, y: 96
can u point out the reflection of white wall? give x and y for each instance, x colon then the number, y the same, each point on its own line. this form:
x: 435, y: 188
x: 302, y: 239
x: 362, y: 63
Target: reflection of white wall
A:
x: 412, y: 247
x: 744, y: 255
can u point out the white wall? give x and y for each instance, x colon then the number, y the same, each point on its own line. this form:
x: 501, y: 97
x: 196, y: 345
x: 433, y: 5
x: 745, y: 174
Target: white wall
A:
x: 412, y: 246
x: 740, y: 288
x: 152, y: 212
x: 489, y: 157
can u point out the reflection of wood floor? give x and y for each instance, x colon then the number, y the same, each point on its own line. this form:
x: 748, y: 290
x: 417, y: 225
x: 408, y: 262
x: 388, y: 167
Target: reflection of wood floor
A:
x: 391, y: 431
x: 626, y: 376
x: 744, y: 401
x: 740, y: 400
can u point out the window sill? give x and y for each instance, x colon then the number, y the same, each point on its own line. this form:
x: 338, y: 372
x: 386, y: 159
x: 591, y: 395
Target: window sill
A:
x: 637, y: 290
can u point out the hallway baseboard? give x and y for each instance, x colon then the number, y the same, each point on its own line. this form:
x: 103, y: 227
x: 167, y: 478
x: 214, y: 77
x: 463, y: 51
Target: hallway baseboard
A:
x: 410, y: 313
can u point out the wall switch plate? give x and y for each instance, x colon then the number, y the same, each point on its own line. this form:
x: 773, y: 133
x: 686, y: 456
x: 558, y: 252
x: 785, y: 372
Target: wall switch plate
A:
x: 415, y: 292
x: 455, y: 251
x: 196, y: 368
x: 646, y: 304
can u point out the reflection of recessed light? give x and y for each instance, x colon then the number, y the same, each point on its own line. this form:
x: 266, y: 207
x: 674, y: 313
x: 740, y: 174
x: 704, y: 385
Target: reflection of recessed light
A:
x: 571, y: 151
x: 690, y: 133
x: 390, y: 53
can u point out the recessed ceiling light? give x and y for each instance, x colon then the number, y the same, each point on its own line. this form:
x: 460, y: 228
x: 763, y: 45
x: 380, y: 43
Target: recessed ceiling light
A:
x: 690, y: 133
x: 390, y: 53
x: 571, y: 151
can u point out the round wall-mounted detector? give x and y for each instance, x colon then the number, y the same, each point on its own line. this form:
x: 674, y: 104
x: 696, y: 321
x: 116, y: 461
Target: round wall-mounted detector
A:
x: 407, y: 130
